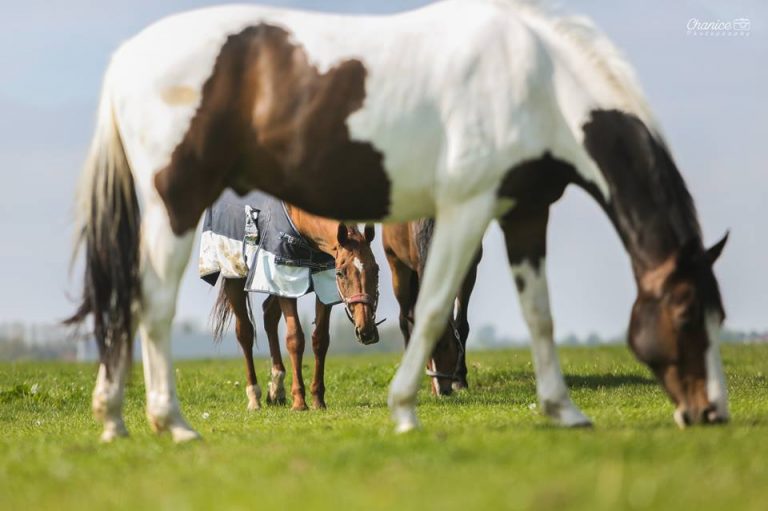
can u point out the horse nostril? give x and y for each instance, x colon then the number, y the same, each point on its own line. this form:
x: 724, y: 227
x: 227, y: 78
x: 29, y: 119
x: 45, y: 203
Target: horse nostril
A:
x: 687, y: 418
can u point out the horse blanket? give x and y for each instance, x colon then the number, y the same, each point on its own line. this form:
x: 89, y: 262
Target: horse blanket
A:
x: 253, y: 237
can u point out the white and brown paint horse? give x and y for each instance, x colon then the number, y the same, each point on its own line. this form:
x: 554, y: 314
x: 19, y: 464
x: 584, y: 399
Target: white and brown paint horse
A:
x: 406, y: 246
x: 465, y: 111
x: 357, y: 279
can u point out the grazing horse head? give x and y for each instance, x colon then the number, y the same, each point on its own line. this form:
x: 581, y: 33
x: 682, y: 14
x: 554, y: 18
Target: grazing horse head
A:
x: 357, y: 277
x: 677, y: 312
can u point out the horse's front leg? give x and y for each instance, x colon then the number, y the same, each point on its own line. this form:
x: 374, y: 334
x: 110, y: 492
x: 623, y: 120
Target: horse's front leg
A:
x: 272, y: 315
x: 525, y: 234
x: 459, y: 228
x: 164, y: 259
x: 294, y: 341
x: 320, y: 341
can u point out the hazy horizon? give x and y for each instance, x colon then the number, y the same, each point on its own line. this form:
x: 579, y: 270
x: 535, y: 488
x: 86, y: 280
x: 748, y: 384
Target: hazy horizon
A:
x: 709, y: 93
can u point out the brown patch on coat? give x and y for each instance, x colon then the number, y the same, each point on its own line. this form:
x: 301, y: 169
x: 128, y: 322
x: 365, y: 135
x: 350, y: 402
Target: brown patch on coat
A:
x: 533, y: 185
x: 270, y: 120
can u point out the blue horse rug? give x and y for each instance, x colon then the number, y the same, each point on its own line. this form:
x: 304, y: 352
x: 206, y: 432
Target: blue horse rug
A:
x: 253, y: 237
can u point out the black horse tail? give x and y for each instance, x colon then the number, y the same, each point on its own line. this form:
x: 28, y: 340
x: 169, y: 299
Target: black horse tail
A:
x: 108, y: 221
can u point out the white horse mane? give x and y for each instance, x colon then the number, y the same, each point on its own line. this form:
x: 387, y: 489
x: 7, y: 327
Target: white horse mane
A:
x: 596, y: 49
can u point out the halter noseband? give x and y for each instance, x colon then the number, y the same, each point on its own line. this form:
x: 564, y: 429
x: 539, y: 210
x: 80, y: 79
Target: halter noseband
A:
x: 363, y: 298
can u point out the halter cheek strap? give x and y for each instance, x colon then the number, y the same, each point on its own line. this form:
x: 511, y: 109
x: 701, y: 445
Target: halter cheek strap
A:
x: 363, y: 298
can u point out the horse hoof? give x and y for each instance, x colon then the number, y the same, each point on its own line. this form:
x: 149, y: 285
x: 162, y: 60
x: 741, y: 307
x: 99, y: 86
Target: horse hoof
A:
x: 183, y: 435
x: 566, y: 415
x: 299, y: 407
x: 276, y: 401
x: 254, y: 406
x: 319, y: 405
x: 405, y: 419
x: 113, y: 432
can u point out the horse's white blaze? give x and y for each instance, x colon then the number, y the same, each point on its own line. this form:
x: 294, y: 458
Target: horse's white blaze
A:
x: 358, y: 264
x: 550, y: 384
x: 717, y: 390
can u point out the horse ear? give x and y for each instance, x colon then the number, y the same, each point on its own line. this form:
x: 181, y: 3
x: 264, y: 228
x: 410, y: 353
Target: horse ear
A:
x: 342, y: 235
x: 369, y: 233
x: 713, y: 253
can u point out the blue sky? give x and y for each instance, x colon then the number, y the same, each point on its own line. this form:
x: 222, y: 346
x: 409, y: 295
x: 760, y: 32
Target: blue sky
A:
x: 708, y: 92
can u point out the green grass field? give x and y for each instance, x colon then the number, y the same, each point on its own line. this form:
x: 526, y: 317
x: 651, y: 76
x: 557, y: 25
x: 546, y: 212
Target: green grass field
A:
x: 484, y: 449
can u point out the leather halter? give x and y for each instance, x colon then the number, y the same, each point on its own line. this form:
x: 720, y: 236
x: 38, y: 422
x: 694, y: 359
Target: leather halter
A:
x: 363, y: 298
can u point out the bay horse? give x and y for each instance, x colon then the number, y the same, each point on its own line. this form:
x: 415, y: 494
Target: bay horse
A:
x: 406, y: 246
x: 463, y: 111
x: 357, y: 279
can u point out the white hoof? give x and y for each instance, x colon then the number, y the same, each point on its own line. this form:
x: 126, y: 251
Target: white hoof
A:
x: 405, y: 419
x: 182, y: 434
x: 112, y: 431
x: 254, y: 397
x: 565, y: 414
x: 679, y: 419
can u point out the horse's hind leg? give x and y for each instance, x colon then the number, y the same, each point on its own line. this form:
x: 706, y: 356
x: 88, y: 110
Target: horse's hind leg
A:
x: 525, y: 234
x: 294, y: 341
x: 238, y: 300
x: 164, y: 259
x: 320, y: 341
x: 272, y: 315
x: 107, y: 399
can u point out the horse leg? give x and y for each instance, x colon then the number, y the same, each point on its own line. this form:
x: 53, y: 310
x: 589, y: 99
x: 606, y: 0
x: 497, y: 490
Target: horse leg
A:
x: 320, y: 341
x: 462, y: 323
x: 405, y: 286
x: 294, y: 341
x: 525, y: 235
x: 164, y: 259
x: 107, y: 398
x: 458, y: 231
x: 238, y: 301
x: 276, y: 388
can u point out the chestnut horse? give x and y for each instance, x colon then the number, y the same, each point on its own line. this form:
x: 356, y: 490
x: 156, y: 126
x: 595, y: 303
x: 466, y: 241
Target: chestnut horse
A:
x: 406, y: 247
x: 357, y: 279
x: 465, y: 111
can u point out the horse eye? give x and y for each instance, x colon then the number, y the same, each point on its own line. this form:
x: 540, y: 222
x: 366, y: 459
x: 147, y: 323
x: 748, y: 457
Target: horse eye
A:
x: 339, y: 273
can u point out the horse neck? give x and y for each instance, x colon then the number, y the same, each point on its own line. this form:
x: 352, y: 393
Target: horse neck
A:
x: 320, y: 232
x: 647, y: 199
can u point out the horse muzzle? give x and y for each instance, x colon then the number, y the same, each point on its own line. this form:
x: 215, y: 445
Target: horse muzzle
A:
x: 367, y: 337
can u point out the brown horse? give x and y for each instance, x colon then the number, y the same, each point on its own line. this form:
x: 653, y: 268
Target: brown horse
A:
x: 406, y: 246
x: 357, y: 278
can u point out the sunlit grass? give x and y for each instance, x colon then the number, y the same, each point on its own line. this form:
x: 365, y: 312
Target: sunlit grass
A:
x: 484, y: 449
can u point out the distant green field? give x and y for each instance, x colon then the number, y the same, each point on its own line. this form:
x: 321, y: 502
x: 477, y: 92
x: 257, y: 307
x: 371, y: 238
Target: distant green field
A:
x: 484, y: 449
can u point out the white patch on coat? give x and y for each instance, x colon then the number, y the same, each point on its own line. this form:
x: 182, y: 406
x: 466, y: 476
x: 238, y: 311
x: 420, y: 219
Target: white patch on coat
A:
x: 717, y: 389
x: 358, y: 264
